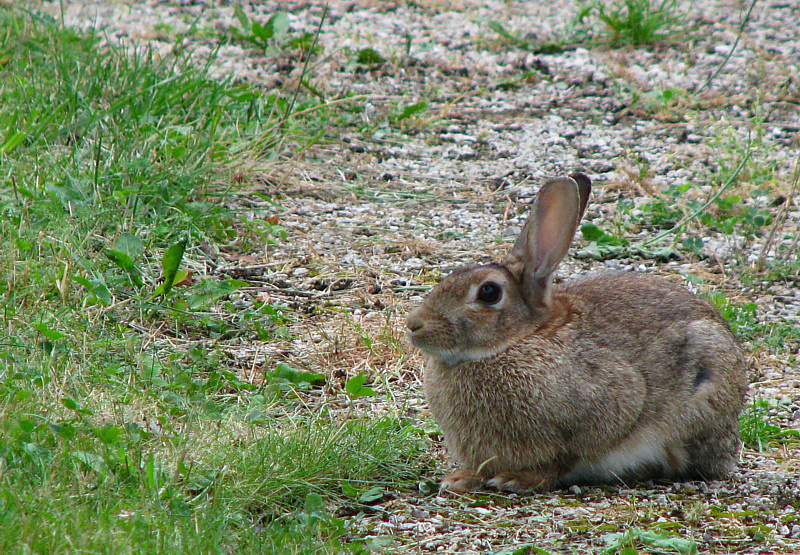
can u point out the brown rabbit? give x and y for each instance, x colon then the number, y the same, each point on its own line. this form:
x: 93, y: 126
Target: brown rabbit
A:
x: 611, y: 377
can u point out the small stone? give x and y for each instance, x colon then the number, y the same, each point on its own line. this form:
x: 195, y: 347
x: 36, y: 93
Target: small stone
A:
x: 574, y: 490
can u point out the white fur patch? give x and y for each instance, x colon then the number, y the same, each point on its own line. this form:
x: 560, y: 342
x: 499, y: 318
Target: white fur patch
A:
x: 644, y: 449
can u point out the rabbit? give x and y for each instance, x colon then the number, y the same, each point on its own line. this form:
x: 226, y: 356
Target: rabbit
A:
x: 613, y: 377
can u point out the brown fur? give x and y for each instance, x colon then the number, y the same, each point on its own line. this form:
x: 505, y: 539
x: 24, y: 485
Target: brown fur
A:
x: 610, y: 377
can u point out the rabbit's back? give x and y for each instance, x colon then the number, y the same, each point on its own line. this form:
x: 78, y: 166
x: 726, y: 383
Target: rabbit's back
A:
x: 676, y: 340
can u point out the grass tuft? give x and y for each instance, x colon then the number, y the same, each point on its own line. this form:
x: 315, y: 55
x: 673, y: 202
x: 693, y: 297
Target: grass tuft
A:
x: 641, y: 22
x: 758, y: 427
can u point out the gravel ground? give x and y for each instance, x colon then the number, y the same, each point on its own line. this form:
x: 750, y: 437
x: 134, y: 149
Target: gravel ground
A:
x: 378, y: 212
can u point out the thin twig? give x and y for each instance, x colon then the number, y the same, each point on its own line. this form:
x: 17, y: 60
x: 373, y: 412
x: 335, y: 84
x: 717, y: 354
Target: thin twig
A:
x: 305, y: 64
x: 703, y: 208
x: 735, y: 44
x: 14, y: 186
x: 788, y: 254
x: 781, y: 218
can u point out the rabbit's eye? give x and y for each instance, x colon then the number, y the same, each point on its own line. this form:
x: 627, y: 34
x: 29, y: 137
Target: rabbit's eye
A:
x: 490, y: 292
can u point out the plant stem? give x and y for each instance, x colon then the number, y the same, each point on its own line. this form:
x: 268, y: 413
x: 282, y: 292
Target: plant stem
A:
x: 781, y: 218
x: 735, y: 44
x: 305, y: 64
x: 703, y: 208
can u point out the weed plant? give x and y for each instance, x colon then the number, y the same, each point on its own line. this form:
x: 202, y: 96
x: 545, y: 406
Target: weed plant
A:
x: 637, y: 23
x: 641, y: 22
x: 759, y: 429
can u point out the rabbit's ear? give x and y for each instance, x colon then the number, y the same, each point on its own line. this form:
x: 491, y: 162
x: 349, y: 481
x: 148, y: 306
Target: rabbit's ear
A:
x: 584, y: 190
x: 547, y: 235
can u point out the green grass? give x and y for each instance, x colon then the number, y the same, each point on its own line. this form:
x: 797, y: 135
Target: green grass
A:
x: 759, y: 429
x: 118, y: 489
x: 641, y: 22
x: 124, y: 425
x: 780, y: 336
x: 616, y: 23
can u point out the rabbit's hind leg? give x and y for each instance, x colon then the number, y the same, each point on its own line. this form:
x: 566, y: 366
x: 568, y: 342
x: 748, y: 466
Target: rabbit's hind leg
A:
x: 712, y: 456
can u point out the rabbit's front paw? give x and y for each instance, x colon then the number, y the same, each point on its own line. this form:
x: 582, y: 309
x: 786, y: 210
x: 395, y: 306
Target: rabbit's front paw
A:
x: 522, y: 481
x: 461, y: 481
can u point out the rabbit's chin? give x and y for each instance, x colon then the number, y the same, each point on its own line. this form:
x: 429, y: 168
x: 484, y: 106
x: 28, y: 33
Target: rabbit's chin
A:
x: 452, y: 357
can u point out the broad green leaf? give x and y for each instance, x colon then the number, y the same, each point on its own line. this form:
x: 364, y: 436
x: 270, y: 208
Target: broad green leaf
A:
x: 244, y: 21
x: 209, y: 291
x: 65, y: 430
x: 412, y: 109
x: 12, y: 142
x: 97, y: 288
x: 314, y: 505
x: 150, y: 473
x: 279, y: 25
x: 66, y: 192
x: 664, y: 254
x: 128, y: 244
x: 621, y: 543
x: 126, y: 249
x: 91, y: 460
x: 679, y: 545
x: 261, y: 32
x: 171, y: 262
x: 369, y: 57
x: 599, y: 252
x: 355, y: 387
x: 349, y: 490
x: 71, y: 404
x: 591, y: 232
x: 286, y: 372
x: 371, y: 495
x: 109, y: 433
x: 52, y: 335
x: 121, y: 259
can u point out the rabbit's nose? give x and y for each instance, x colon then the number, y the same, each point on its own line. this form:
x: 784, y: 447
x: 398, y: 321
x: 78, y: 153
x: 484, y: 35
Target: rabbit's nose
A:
x: 413, y: 322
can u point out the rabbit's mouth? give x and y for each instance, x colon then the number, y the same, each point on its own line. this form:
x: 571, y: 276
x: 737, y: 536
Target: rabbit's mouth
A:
x: 437, y: 339
x: 449, y: 356
x: 420, y: 337
x: 428, y: 339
